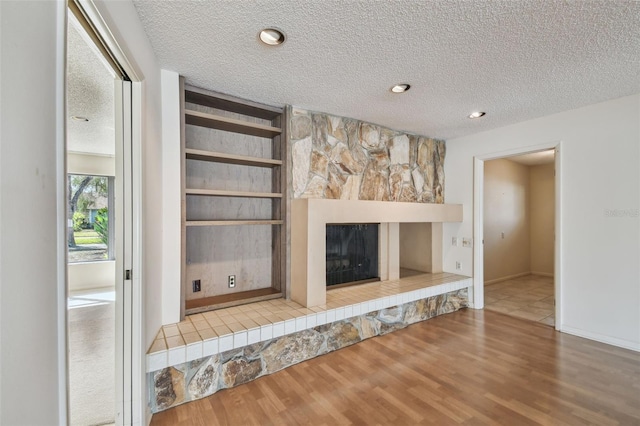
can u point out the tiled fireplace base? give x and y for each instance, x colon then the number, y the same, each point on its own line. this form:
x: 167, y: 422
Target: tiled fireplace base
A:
x: 201, y: 377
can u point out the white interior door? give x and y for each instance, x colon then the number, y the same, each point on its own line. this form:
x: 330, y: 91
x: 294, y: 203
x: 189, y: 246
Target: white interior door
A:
x: 124, y: 246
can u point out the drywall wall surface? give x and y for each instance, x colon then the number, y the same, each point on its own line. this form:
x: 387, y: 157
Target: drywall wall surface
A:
x: 87, y: 164
x: 32, y: 387
x: 599, y: 224
x: 415, y: 246
x: 506, y: 219
x: 91, y: 275
x: 542, y: 212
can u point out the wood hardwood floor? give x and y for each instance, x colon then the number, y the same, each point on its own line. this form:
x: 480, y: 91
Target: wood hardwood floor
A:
x: 468, y: 367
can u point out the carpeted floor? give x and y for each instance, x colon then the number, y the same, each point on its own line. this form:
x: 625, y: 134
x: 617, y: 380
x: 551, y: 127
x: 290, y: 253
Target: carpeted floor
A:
x: 91, y: 362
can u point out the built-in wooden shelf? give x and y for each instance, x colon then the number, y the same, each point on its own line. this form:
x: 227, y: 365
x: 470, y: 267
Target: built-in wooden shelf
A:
x: 230, y: 124
x: 232, y: 222
x: 223, y: 193
x: 195, y: 306
x: 206, y: 227
x: 198, y: 96
x: 220, y: 157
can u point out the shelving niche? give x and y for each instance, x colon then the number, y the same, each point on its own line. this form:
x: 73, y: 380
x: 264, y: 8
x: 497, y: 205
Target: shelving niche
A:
x: 233, y: 200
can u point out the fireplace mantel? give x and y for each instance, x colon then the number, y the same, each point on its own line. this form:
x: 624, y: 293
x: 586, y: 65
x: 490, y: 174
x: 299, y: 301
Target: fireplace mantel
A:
x: 309, y: 218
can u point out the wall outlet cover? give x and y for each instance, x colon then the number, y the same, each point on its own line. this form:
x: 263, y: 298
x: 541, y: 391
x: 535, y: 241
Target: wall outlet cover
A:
x: 196, y: 286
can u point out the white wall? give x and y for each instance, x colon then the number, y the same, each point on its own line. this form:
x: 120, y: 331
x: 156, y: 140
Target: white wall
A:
x: 542, y: 208
x: 123, y: 21
x: 171, y: 201
x: 87, y: 164
x: 32, y: 37
x: 599, y: 157
x: 91, y: 275
x: 506, y: 220
x: 32, y: 304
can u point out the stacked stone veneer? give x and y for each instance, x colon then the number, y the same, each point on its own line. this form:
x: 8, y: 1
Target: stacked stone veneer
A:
x: 342, y: 158
x: 203, y: 377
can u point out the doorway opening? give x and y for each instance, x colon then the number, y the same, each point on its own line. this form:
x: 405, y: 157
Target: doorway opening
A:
x: 98, y: 100
x: 517, y: 268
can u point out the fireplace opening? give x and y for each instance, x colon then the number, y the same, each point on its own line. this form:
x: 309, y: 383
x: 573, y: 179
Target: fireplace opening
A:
x: 352, y: 253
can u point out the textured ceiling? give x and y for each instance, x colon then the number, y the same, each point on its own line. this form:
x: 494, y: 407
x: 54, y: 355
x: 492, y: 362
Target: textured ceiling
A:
x: 90, y: 94
x: 516, y: 60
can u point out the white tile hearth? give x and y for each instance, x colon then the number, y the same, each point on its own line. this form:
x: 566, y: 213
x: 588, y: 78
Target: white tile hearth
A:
x: 225, y: 329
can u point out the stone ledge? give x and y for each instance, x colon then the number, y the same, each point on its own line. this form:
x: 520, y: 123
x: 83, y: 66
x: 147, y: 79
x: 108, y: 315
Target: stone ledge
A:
x: 202, y: 377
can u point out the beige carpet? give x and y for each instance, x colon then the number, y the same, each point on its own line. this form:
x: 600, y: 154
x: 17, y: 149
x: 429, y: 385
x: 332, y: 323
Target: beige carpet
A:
x: 92, y: 364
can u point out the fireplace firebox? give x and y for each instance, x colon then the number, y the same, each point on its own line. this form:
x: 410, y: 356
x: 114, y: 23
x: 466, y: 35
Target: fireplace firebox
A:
x: 352, y: 253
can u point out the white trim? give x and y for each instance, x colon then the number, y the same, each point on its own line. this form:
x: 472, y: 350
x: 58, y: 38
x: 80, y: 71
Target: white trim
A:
x: 542, y: 274
x: 622, y: 343
x: 61, y: 212
x: 478, y: 234
x: 139, y: 350
x: 478, y: 221
x: 557, y: 273
x: 119, y: 409
x: 127, y: 254
x: 107, y: 36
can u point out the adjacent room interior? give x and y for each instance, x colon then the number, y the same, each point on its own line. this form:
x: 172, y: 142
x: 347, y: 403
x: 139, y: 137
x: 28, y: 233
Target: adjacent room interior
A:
x: 91, y: 169
x: 519, y: 221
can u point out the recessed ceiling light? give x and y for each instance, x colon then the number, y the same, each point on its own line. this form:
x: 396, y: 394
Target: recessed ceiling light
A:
x: 477, y: 114
x: 272, y: 36
x: 400, y: 88
x: 78, y: 118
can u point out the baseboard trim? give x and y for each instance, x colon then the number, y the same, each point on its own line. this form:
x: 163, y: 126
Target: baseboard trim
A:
x: 621, y: 343
x: 509, y: 277
x: 542, y: 274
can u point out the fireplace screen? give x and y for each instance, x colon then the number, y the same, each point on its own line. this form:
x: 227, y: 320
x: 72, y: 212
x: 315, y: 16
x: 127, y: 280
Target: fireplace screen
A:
x: 352, y: 253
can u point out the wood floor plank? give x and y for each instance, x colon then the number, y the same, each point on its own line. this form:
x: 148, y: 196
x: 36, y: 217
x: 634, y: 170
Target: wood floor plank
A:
x: 469, y: 367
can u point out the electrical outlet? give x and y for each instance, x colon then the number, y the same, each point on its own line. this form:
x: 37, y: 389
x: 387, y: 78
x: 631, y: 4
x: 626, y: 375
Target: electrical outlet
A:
x: 502, y: 235
x: 232, y: 281
x: 458, y: 267
x: 196, y: 286
x: 467, y: 242
x: 454, y: 241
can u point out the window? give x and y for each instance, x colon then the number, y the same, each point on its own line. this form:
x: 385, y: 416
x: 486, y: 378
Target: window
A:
x: 90, y: 207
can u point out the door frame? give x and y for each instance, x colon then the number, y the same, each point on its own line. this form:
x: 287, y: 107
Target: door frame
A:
x: 130, y: 400
x: 478, y: 222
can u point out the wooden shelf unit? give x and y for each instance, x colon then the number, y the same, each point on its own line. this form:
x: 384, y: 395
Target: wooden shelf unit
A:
x: 232, y: 222
x: 225, y: 193
x: 248, y: 120
x: 230, y: 125
x: 220, y: 157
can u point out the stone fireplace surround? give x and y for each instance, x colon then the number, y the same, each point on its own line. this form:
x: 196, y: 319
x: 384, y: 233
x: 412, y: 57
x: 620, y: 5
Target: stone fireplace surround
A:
x: 309, y: 218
